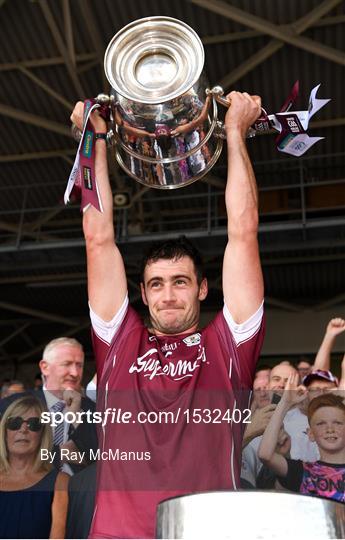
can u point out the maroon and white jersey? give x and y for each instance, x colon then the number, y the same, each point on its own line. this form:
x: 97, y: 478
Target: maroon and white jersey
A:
x: 174, y: 430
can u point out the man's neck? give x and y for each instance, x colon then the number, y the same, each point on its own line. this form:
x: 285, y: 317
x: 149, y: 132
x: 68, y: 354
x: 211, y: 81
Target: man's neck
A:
x: 55, y: 393
x: 190, y: 330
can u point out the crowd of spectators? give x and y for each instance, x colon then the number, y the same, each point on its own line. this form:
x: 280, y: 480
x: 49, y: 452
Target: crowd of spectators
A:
x: 294, y: 442
x: 34, y: 476
x: 282, y: 447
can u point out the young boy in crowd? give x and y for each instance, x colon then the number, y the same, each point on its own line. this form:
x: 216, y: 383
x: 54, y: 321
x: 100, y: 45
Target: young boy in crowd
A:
x: 326, y: 416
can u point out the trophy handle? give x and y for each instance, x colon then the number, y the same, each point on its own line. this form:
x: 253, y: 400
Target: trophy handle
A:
x: 106, y: 101
x: 217, y: 92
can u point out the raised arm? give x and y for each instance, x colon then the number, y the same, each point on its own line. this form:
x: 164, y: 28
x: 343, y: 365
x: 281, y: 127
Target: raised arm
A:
x: 242, y: 276
x: 292, y: 395
x: 323, y: 358
x: 258, y: 423
x: 107, y: 285
x: 267, y: 449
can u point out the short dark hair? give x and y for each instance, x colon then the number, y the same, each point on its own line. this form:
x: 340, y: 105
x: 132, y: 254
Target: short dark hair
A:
x: 263, y: 367
x: 173, y: 249
x: 325, y: 400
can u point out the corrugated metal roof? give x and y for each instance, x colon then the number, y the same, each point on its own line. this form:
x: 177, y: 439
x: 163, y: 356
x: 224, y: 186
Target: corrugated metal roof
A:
x: 302, y: 263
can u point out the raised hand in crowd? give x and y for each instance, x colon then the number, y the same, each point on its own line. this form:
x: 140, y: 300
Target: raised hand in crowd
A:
x: 292, y: 395
x: 334, y: 328
x: 259, y: 421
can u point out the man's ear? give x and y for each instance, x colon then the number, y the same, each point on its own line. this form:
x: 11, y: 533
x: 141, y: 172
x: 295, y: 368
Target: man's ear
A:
x: 203, y: 289
x: 310, y: 434
x: 44, y: 367
x: 143, y: 294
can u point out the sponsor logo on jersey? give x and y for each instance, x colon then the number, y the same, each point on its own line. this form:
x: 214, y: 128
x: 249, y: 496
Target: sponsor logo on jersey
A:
x: 150, y: 365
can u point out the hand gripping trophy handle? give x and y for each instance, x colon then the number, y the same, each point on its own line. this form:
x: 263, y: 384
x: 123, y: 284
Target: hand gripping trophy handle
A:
x: 104, y: 101
x: 217, y: 92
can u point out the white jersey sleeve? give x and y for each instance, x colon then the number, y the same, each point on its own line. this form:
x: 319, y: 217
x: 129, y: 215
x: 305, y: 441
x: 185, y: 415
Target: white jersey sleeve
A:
x: 107, y: 330
x: 244, y: 331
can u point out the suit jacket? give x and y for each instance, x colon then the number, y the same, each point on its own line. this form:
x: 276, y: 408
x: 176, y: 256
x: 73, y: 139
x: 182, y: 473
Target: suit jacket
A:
x: 81, y: 501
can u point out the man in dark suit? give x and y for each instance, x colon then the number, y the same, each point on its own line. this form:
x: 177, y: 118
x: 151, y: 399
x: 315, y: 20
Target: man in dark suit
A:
x: 62, y: 368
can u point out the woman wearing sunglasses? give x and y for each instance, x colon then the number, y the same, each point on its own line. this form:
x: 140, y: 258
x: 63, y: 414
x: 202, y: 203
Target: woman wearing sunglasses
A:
x: 33, y: 494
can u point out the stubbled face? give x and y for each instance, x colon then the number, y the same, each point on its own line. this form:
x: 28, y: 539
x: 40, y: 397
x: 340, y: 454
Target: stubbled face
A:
x: 279, y: 376
x: 23, y: 441
x: 318, y: 387
x: 172, y: 294
x: 327, y: 429
x: 65, y: 371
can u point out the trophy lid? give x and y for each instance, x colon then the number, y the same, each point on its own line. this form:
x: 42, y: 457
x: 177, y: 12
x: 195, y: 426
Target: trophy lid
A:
x: 153, y: 60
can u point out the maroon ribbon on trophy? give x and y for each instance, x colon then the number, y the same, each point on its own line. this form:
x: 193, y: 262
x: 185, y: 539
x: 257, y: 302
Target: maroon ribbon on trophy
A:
x: 292, y: 125
x: 82, y: 180
x: 293, y: 138
x: 290, y: 100
x: 264, y: 123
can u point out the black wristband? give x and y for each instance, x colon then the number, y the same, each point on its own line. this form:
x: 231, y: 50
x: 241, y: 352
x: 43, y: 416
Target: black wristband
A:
x: 101, y: 136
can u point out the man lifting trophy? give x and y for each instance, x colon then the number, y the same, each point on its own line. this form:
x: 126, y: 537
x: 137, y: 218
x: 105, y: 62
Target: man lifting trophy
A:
x: 185, y: 389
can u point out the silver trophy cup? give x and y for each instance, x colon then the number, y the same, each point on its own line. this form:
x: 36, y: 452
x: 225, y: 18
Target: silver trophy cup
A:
x: 254, y: 515
x: 165, y: 129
